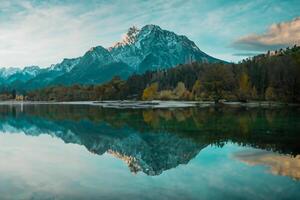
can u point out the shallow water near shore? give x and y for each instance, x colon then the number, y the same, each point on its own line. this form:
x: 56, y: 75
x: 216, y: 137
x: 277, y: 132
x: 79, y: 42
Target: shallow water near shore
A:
x: 50, y: 151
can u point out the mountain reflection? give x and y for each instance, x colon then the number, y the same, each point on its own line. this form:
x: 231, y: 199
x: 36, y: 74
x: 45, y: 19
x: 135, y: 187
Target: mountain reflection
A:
x: 153, y: 141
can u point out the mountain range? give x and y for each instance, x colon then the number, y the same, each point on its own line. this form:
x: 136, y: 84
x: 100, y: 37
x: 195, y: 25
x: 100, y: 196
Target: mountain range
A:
x: 148, y: 48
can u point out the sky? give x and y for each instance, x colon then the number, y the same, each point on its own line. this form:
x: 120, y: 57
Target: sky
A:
x: 43, y: 32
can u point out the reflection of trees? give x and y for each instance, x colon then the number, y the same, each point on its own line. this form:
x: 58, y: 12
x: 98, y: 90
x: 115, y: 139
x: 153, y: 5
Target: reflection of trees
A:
x: 150, y: 152
x: 275, y: 129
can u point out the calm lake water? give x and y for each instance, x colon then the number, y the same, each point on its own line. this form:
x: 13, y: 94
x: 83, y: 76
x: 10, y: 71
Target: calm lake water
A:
x: 87, y: 152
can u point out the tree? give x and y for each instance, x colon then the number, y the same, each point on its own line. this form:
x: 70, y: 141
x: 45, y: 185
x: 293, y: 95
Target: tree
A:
x: 244, y: 87
x: 166, y: 95
x: 270, y: 94
x: 217, y: 79
x: 196, y: 91
x: 14, y: 94
x: 254, y: 93
x: 180, y: 90
x: 150, y: 92
x: 248, y: 79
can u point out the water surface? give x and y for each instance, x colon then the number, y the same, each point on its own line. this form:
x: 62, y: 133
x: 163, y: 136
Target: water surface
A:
x: 87, y: 152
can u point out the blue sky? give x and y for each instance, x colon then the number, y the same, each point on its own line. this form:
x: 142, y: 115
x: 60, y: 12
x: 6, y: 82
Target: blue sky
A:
x: 34, y: 32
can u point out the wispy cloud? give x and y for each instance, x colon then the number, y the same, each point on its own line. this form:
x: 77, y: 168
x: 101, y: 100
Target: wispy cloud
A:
x: 44, y: 33
x: 279, y: 35
x: 40, y: 35
x: 34, y: 32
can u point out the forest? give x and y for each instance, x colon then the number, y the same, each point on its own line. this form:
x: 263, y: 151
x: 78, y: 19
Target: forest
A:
x: 274, y: 76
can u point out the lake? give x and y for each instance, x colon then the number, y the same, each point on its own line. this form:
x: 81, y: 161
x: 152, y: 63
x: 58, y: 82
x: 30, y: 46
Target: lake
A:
x: 89, y: 152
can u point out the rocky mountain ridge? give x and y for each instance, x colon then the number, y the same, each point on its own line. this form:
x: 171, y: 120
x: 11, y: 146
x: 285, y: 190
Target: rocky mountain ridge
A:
x: 148, y: 48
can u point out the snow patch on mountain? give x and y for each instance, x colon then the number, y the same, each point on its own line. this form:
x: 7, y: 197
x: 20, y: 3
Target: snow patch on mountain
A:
x: 128, y: 38
x: 97, y: 54
x: 6, y: 72
x: 66, y: 65
x: 31, y: 70
x: 152, y: 47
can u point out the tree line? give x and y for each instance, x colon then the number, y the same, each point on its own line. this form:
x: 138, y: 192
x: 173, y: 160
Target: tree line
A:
x: 274, y: 76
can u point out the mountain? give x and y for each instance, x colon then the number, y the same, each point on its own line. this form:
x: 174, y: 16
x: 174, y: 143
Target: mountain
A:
x: 152, y: 48
x: 16, y: 78
x: 24, y: 75
x: 149, y: 48
x: 49, y: 74
x: 96, y: 66
x: 5, y: 73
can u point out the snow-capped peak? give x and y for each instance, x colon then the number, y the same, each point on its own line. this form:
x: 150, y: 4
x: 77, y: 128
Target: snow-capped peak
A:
x: 6, y: 72
x: 150, y: 27
x: 31, y: 70
x: 157, y: 47
x: 129, y: 37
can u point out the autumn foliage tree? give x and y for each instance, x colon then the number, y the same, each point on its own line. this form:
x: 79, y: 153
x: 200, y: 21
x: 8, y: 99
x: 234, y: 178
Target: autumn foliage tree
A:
x: 150, y: 92
x: 197, y: 89
x: 244, y: 91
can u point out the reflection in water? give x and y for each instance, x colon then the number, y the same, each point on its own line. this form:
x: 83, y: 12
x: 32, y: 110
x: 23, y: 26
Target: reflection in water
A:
x: 44, y: 167
x: 283, y: 165
x: 174, y: 153
x: 153, y: 141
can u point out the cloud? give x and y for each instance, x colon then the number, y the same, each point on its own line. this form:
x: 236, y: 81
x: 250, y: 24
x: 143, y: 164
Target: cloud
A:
x: 41, y: 33
x: 37, y: 35
x: 45, y: 33
x: 279, y: 35
x: 283, y: 165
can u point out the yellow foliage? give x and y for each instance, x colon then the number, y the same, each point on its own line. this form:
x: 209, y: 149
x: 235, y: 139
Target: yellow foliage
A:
x: 166, y: 95
x: 150, y: 92
x: 180, y: 90
x: 197, y: 88
x: 244, y: 87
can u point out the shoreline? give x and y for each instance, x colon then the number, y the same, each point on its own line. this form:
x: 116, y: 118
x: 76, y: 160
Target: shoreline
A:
x: 132, y: 104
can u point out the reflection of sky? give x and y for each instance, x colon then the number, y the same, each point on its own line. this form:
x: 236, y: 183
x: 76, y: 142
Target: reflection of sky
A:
x: 284, y: 165
x: 44, y: 167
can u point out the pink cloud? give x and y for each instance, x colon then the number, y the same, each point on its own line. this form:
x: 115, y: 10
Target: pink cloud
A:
x: 277, y: 36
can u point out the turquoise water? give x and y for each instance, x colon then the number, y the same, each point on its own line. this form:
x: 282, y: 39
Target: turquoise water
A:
x: 85, y: 152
